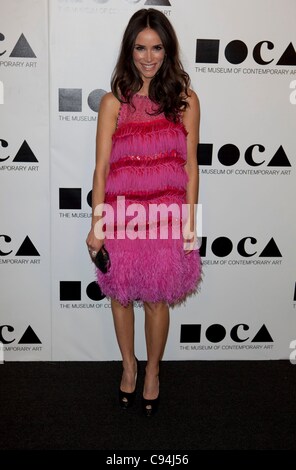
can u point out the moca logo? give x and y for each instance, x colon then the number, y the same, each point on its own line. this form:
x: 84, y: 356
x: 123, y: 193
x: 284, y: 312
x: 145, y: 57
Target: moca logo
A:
x: 216, y: 333
x: 71, y: 290
x: 70, y: 100
x: 223, y: 246
x: 29, y: 336
x: 254, y: 155
x: 22, y: 48
x: 70, y: 203
x: 26, y: 248
x: 236, y: 52
x: 71, y: 198
x: 23, y: 155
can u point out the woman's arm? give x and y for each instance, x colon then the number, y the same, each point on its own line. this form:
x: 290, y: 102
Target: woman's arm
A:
x: 191, y: 120
x: 106, y: 126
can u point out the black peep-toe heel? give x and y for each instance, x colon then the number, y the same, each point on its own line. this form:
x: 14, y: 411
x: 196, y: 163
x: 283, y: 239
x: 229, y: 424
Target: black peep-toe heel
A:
x: 150, y: 407
x: 126, y: 400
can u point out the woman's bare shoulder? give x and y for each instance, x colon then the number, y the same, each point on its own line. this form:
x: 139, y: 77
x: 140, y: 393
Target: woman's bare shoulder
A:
x: 109, y: 103
x: 192, y: 98
x: 191, y: 114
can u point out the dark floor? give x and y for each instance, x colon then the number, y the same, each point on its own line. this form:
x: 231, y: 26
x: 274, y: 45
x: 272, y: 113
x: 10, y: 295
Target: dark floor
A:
x: 205, y: 405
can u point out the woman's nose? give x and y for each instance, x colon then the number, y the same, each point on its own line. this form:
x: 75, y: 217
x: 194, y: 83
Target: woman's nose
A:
x: 148, y: 55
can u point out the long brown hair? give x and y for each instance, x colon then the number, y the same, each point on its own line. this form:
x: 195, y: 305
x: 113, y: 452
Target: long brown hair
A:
x: 169, y: 87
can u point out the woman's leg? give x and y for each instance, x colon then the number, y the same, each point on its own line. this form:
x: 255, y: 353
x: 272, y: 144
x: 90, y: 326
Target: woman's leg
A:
x: 123, y: 318
x: 157, y: 321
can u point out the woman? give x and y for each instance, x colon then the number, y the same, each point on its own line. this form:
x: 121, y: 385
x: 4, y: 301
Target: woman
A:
x: 147, y: 138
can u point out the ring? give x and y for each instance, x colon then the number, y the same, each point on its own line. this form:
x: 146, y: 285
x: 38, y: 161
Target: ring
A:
x: 92, y: 253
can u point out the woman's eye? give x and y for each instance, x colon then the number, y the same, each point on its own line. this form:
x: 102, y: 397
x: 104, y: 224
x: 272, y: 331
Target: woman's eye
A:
x: 158, y: 48
x: 139, y: 48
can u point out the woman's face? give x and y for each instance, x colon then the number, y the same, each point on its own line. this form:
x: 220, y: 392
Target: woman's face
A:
x: 148, y: 54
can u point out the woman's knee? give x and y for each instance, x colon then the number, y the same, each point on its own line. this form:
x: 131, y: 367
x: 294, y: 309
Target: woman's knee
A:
x: 153, y: 307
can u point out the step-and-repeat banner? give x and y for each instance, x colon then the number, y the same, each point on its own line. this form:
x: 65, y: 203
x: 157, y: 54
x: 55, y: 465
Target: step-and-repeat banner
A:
x: 56, y: 60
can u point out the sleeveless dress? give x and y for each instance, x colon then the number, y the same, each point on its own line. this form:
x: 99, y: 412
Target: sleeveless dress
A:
x: 143, y: 237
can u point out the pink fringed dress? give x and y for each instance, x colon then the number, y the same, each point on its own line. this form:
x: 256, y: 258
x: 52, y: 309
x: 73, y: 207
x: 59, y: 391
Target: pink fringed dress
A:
x: 147, y: 162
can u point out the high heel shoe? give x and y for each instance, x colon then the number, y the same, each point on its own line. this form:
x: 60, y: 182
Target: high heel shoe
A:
x: 126, y: 399
x: 150, y: 407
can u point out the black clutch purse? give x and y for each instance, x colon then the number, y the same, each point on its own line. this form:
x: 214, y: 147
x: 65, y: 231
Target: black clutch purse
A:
x: 102, y: 260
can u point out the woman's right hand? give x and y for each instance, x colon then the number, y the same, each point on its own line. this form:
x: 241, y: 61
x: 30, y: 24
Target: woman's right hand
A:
x: 94, y: 244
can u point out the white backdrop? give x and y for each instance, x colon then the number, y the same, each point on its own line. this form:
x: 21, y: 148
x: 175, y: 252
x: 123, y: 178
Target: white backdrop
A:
x: 56, y: 59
